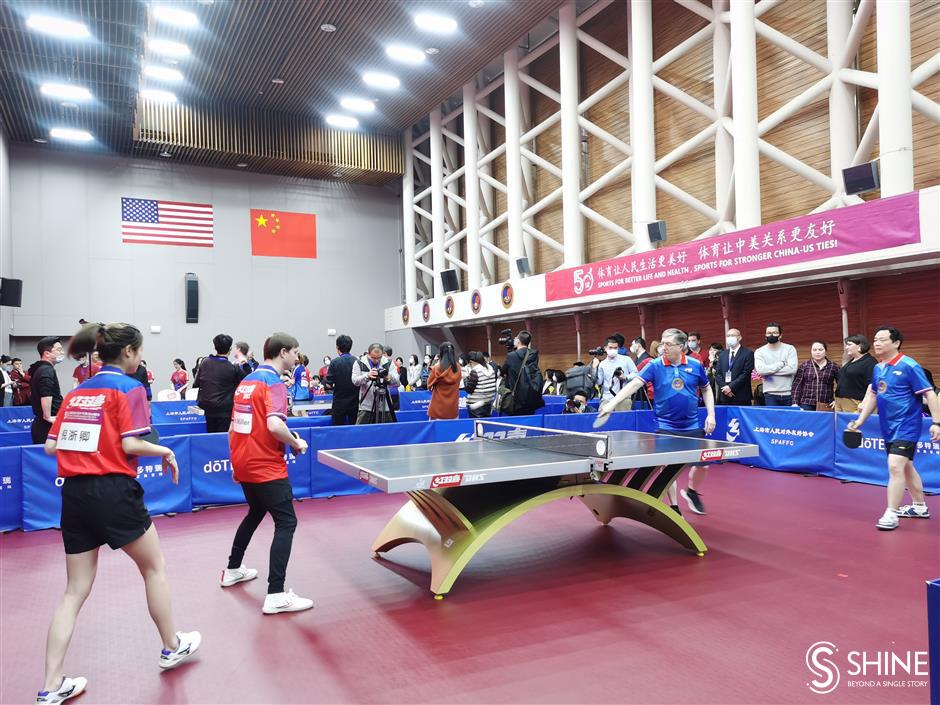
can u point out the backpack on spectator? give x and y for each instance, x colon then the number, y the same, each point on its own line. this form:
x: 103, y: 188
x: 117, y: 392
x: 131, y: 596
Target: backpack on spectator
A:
x: 506, y: 397
x: 581, y: 378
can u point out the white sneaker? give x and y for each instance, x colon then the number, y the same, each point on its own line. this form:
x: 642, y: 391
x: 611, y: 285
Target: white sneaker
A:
x: 238, y: 575
x: 285, y: 602
x: 914, y: 511
x: 69, y: 689
x: 889, y: 520
x: 188, y: 645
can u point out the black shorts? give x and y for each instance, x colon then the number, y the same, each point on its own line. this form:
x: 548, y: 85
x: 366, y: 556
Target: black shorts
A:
x: 694, y: 433
x: 102, y: 509
x: 905, y: 448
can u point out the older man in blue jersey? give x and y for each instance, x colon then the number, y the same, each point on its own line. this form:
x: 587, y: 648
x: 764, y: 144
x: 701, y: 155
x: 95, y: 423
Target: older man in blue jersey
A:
x: 897, y: 383
x: 676, y: 380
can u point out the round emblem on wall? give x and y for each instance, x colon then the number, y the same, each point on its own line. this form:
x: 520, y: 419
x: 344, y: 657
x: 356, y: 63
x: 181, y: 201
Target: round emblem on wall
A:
x: 405, y: 315
x: 449, y: 306
x: 476, y: 301
x: 426, y: 311
x: 506, y: 295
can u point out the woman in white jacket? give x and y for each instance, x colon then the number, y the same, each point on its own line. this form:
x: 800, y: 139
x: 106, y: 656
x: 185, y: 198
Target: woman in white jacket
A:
x: 414, y: 373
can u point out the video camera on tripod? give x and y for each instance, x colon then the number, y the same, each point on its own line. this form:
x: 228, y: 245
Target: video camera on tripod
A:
x: 507, y: 339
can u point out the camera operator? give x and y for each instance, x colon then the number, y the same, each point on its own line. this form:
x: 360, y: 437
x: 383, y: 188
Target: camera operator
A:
x: 577, y: 402
x: 614, y: 373
x: 373, y: 379
x: 521, y: 374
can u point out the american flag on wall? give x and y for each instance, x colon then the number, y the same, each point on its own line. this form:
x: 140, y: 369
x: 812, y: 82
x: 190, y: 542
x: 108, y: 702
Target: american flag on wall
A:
x: 146, y: 222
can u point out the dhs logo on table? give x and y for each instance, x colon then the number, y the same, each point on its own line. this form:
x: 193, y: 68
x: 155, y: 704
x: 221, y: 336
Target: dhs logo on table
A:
x: 456, y: 479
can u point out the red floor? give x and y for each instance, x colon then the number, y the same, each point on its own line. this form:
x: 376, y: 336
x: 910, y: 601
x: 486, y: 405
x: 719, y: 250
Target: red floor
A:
x: 557, y: 609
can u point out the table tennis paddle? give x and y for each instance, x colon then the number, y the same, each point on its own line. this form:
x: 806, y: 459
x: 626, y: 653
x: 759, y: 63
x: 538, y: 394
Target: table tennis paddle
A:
x: 851, y: 439
x: 601, y: 419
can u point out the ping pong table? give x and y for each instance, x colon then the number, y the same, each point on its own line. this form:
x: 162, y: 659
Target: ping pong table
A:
x: 461, y: 494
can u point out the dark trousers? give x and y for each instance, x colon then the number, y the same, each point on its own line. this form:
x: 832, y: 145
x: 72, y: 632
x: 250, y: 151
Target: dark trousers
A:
x: 481, y: 412
x: 277, y: 499
x: 344, y: 416
x: 777, y: 399
x: 40, y: 429
x: 218, y: 424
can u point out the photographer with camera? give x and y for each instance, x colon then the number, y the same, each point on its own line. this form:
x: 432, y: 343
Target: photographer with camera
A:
x: 373, y: 379
x: 521, y: 390
x: 614, y: 372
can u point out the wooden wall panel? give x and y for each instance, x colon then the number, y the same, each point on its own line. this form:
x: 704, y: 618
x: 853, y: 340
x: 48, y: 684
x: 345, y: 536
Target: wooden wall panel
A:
x: 700, y: 315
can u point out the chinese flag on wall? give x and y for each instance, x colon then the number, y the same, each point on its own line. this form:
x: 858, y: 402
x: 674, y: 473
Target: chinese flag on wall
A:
x: 283, y: 234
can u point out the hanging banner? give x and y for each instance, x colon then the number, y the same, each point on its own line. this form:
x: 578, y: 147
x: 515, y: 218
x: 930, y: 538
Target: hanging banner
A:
x: 869, y: 462
x: 867, y: 227
x: 42, y: 488
x: 790, y: 440
x: 11, y: 489
x: 15, y: 418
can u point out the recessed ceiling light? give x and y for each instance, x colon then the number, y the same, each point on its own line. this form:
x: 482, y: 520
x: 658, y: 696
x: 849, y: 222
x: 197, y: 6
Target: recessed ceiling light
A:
x: 66, y: 91
x: 277, y: 81
x: 67, y: 133
x: 242, y: 165
x: 436, y: 23
x: 344, y: 121
x: 167, y: 48
x: 327, y: 27
x: 174, y: 16
x: 407, y: 55
x: 358, y: 105
x: 475, y: 3
x: 381, y: 80
x: 162, y: 73
x: 40, y: 140
x: 165, y: 154
x: 69, y: 105
x: 431, y: 51
x: 158, y: 96
x: 58, y: 26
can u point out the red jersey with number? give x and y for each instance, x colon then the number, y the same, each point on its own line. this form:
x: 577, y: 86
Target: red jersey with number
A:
x: 257, y: 456
x: 93, y: 419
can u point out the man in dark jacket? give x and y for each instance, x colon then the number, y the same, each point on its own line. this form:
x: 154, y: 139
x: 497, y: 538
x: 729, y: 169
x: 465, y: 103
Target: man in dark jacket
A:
x: 522, y: 366
x: 216, y: 380
x: 44, y: 387
x: 339, y: 381
x: 733, y: 372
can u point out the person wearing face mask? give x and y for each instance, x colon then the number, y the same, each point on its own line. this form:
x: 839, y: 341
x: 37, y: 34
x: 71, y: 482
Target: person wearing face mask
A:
x: 638, y: 350
x: 733, y: 371
x: 696, y: 349
x: 426, y: 371
x: 44, y: 387
x: 815, y: 380
x: 326, y: 366
x: 614, y: 372
x: 776, y: 362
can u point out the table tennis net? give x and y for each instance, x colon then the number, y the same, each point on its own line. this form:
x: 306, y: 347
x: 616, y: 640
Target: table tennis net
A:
x: 590, y: 445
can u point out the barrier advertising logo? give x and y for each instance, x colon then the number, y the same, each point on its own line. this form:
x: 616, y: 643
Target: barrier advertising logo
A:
x: 734, y: 430
x: 864, y: 669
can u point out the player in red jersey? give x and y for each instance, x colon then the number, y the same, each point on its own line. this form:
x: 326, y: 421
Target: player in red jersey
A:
x: 257, y: 440
x: 96, y: 438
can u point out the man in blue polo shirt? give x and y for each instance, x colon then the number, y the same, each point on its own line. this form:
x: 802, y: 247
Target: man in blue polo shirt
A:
x: 676, y: 381
x: 896, y: 386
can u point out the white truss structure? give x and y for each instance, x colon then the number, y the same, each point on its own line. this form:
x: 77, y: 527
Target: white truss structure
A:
x: 451, y: 212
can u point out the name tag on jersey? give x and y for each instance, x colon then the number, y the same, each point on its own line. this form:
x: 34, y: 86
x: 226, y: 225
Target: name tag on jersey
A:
x: 242, y: 419
x: 79, y: 437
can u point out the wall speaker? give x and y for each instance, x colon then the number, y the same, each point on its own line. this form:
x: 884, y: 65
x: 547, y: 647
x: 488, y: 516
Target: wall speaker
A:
x: 657, y: 231
x: 11, y: 292
x: 449, y: 280
x: 192, y: 298
x: 861, y: 178
x: 523, y: 266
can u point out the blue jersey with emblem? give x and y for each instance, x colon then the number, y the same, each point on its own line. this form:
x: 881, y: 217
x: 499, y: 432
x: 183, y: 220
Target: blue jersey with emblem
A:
x: 675, y: 391
x: 898, y: 384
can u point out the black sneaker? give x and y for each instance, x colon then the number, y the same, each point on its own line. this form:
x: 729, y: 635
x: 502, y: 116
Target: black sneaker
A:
x: 675, y: 508
x: 694, y: 501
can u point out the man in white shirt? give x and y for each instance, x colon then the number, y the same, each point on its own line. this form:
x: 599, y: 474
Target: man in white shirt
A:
x: 614, y: 372
x: 776, y: 362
